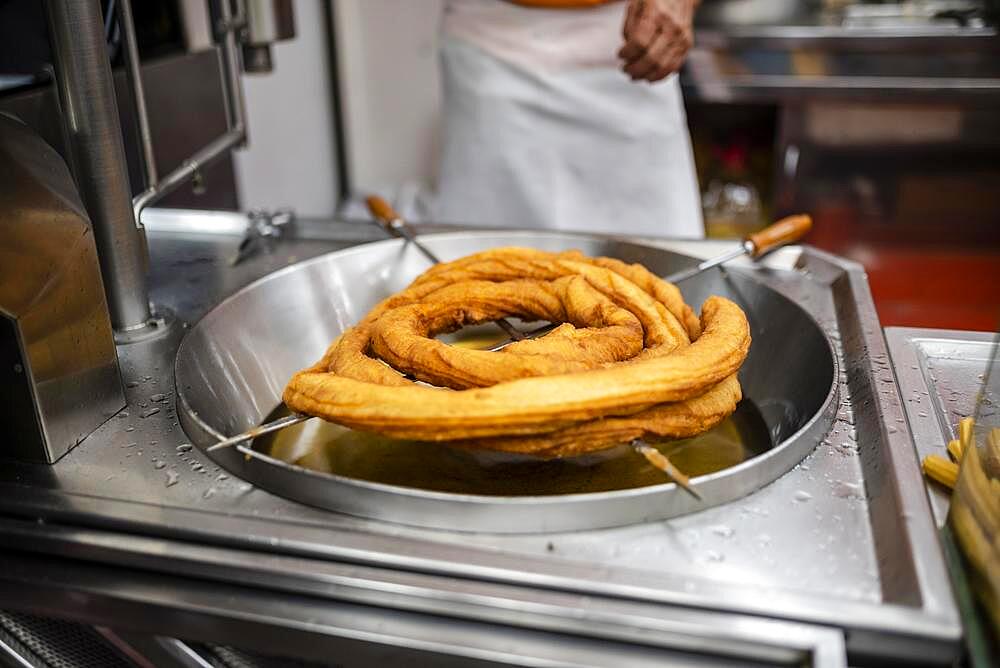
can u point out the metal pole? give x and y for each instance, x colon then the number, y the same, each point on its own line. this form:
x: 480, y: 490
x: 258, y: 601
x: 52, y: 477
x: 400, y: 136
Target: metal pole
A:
x: 231, y: 25
x: 97, y: 154
x: 138, y: 92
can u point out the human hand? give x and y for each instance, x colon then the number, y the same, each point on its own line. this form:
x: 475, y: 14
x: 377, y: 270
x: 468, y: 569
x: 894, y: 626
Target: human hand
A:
x: 658, y: 35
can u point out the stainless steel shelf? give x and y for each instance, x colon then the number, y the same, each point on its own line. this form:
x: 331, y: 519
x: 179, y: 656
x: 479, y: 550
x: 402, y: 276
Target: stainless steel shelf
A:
x: 810, y: 57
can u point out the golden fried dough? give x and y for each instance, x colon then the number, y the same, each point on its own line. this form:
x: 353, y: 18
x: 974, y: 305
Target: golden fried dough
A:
x: 622, y: 364
x: 679, y: 419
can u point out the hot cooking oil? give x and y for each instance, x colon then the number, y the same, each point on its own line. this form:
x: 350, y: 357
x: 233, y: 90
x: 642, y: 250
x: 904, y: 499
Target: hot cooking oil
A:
x: 330, y: 448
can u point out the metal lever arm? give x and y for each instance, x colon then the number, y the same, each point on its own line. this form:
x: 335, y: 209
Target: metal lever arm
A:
x: 235, y: 134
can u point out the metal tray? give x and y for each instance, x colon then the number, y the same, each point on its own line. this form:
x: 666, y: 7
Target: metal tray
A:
x: 940, y: 374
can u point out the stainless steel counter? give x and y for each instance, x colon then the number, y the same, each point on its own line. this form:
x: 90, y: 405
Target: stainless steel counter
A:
x: 133, y: 528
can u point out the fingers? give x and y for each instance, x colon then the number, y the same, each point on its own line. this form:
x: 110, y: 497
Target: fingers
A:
x: 639, y: 30
x: 652, y: 60
x: 671, y: 63
x: 657, y: 40
x: 664, y: 57
x: 631, y: 11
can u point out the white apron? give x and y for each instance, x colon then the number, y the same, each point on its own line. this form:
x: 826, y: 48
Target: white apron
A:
x: 542, y: 130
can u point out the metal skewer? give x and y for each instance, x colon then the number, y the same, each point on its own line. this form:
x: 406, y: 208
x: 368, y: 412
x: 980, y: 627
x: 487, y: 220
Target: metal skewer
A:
x: 266, y: 428
x: 652, y: 455
x: 785, y: 231
x: 526, y: 336
x: 394, y: 224
x: 661, y: 462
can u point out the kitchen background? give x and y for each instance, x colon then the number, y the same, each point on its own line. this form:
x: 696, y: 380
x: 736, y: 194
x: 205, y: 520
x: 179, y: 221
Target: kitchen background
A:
x: 882, y: 119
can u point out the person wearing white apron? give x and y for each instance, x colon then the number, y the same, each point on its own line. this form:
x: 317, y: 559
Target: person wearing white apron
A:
x: 553, y: 120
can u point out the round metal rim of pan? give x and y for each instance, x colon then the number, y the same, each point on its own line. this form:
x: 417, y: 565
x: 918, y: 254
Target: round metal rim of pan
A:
x: 232, y: 366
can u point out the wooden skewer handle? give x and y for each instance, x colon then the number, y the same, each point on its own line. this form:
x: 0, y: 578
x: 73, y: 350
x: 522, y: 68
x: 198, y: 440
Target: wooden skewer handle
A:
x: 785, y: 231
x: 381, y: 209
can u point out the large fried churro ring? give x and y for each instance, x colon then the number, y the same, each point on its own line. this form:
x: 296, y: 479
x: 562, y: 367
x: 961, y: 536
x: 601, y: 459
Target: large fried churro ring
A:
x: 621, y: 365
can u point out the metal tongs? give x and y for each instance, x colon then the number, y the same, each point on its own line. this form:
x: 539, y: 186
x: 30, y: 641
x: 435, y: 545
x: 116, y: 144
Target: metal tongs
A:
x: 785, y: 231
